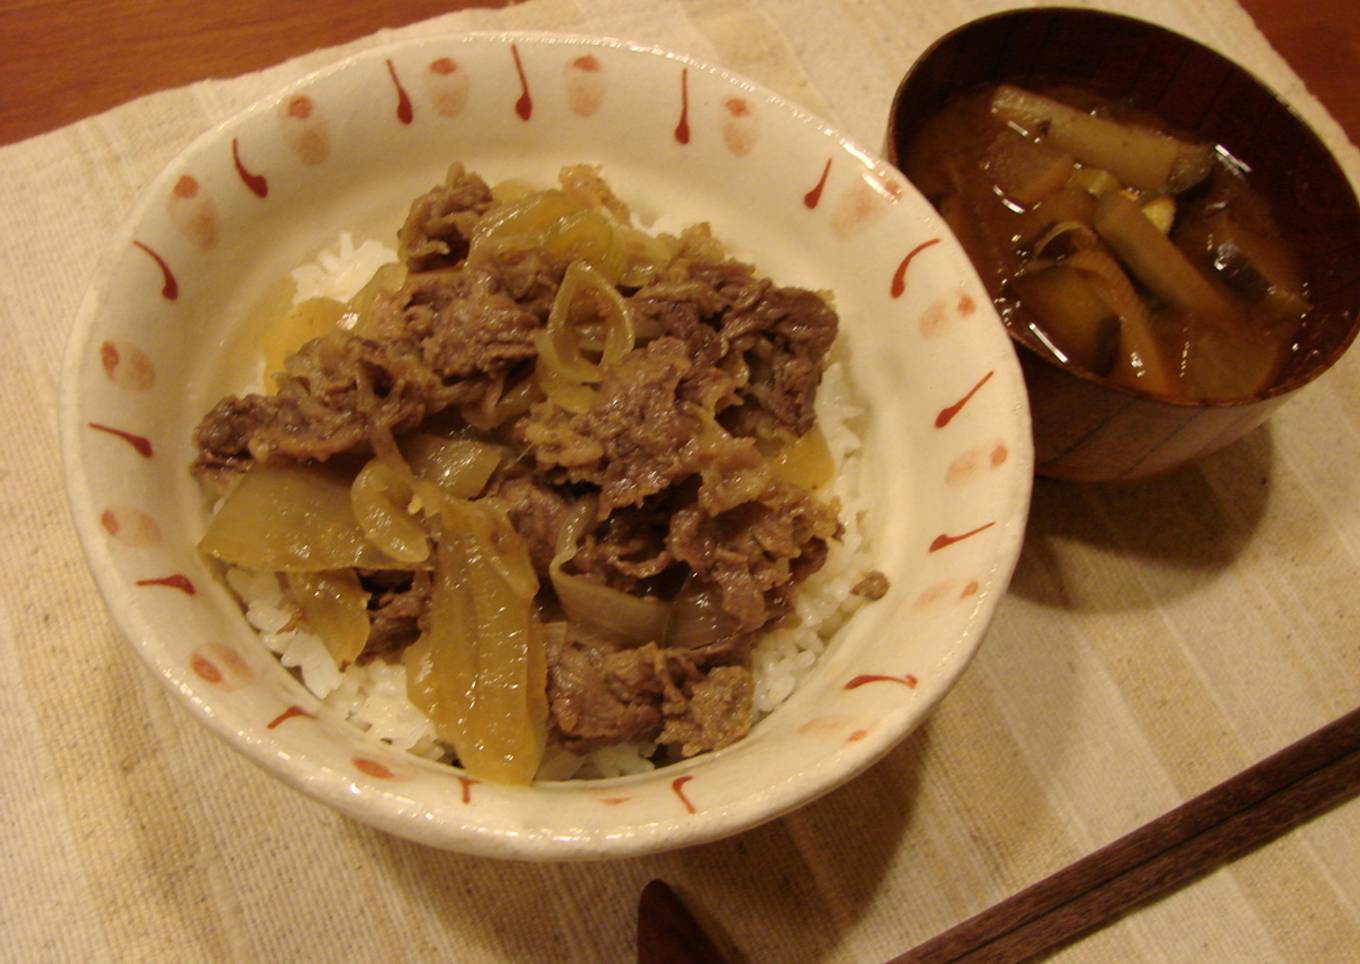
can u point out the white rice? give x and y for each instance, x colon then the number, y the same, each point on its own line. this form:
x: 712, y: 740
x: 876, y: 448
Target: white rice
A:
x: 373, y: 695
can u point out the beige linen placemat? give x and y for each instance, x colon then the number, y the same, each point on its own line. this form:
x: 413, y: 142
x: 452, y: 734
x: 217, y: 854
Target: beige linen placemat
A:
x: 1157, y: 638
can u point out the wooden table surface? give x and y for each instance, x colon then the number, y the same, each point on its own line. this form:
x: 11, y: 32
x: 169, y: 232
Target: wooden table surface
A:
x: 61, y: 60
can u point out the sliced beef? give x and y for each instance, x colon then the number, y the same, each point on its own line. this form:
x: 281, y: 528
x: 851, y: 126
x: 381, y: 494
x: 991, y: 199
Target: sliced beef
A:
x: 627, y: 547
x: 726, y: 516
x: 536, y: 511
x: 711, y: 713
x: 598, y: 697
x: 630, y: 441
x: 783, y: 338
x: 335, y: 391
x: 757, y: 552
x: 444, y: 339
x: 396, y: 610
x: 468, y: 330
x: 439, y: 226
x: 769, y: 341
x: 601, y: 695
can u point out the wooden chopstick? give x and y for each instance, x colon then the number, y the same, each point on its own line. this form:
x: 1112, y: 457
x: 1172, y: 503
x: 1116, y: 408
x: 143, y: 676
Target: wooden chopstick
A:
x: 1240, y: 814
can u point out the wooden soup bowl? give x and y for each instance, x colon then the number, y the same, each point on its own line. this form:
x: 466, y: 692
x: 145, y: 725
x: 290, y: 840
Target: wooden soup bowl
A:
x: 1085, y: 427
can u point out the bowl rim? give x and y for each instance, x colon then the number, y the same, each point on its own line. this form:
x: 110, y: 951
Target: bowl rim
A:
x: 385, y: 810
x: 1281, y: 388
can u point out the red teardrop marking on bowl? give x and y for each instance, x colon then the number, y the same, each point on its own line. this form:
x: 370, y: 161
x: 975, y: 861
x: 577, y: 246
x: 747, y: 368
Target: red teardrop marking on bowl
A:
x: 193, y: 213
x: 132, y: 527
x: 907, y: 680
x: 899, y: 278
x: 814, y: 197
x: 970, y: 588
x: 305, y: 130
x: 524, y: 107
x: 999, y: 455
x: 678, y: 786
x: 288, y: 714
x: 856, y: 736
x: 682, y: 128
x: 255, y: 182
x: 966, y: 305
x: 947, y: 413
x: 405, y: 112
x: 467, y: 783
x: 585, y: 83
x: 739, y: 127
x: 447, y: 84
x: 614, y: 801
x: 944, y: 540
x: 372, y: 768
x: 175, y: 580
x: 169, y: 286
x: 138, y: 442
x: 221, y: 666
x: 127, y: 366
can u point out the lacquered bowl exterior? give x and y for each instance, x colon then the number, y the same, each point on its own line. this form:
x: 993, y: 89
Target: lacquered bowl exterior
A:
x: 1085, y: 428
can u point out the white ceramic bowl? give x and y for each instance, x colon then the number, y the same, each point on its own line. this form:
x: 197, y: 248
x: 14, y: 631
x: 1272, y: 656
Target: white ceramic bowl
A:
x: 158, y: 339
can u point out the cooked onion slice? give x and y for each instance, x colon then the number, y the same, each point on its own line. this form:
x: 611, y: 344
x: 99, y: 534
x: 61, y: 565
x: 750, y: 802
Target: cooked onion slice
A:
x: 292, y: 518
x: 309, y: 319
x: 381, y: 496
x: 806, y: 462
x: 335, y: 607
x: 480, y: 671
x: 459, y: 466
x: 598, y: 609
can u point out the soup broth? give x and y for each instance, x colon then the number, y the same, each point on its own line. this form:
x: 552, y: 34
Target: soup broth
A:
x: 1113, y: 244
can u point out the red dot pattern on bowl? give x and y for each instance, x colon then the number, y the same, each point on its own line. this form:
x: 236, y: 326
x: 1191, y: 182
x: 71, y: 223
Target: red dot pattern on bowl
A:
x: 193, y: 213
x: 127, y: 366
x: 740, y: 126
x: 586, y: 84
x: 131, y: 526
x: 372, y: 768
x: 447, y: 85
x: 305, y: 130
x: 221, y: 666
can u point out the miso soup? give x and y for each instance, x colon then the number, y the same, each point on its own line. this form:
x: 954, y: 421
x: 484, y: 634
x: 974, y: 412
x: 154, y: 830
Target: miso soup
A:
x: 1114, y: 244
